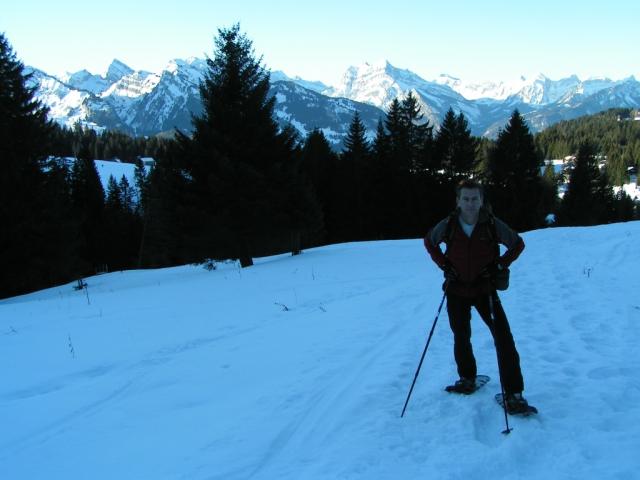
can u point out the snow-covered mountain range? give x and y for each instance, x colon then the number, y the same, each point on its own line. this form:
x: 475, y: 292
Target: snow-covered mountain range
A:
x: 145, y: 103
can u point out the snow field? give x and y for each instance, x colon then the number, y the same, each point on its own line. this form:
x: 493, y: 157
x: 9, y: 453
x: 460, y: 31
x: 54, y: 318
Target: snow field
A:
x: 298, y: 368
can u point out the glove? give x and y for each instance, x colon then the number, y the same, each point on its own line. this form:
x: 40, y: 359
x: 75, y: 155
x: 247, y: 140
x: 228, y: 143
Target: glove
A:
x: 491, y: 269
x: 450, y: 273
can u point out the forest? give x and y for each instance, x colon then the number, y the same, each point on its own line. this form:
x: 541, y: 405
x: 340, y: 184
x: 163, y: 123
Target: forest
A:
x: 240, y: 187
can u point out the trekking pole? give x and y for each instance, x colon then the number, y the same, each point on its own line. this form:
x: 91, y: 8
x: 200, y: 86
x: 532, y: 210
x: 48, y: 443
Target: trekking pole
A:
x: 425, y: 349
x: 507, y: 430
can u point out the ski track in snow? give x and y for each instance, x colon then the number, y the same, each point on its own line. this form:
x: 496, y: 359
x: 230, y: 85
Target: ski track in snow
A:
x: 298, y: 367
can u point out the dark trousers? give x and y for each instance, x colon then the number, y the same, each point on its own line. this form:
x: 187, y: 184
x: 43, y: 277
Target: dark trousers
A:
x: 459, y: 309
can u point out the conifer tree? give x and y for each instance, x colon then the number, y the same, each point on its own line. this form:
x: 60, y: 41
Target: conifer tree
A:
x: 319, y: 165
x: 356, y: 143
x: 393, y: 174
x: 467, y: 147
x: 167, y: 214
x: 60, y: 241
x: 444, y: 144
x: 142, y: 184
x: 418, y: 133
x: 550, y: 201
x: 455, y: 148
x: 406, y: 133
x: 421, y: 190
x: 235, y: 158
x: 514, y: 176
x: 401, y: 156
x: 624, y: 207
x: 87, y: 196
x: 355, y: 172
x: 585, y: 201
x: 318, y: 162
x: 380, y: 147
x: 380, y: 170
x: 127, y: 195
x: 395, y: 130
x: 121, y: 226
x: 35, y: 232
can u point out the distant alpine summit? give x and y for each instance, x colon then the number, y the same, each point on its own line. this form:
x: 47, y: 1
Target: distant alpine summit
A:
x: 145, y: 103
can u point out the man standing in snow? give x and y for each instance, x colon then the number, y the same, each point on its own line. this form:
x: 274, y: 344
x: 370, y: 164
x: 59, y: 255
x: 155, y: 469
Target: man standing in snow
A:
x: 470, y: 264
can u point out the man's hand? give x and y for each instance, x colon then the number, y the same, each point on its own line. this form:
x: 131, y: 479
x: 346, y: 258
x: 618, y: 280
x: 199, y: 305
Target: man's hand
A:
x: 491, y: 270
x: 450, y: 273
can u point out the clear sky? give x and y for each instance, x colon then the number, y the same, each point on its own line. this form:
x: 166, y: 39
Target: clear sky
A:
x: 469, y: 39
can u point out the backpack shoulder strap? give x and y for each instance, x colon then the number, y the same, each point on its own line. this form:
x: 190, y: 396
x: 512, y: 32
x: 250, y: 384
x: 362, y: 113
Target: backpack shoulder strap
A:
x: 493, y: 232
x: 448, y: 233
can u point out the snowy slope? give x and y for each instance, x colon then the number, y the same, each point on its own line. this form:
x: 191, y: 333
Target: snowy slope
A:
x: 298, y: 367
x: 117, y: 170
x: 110, y: 168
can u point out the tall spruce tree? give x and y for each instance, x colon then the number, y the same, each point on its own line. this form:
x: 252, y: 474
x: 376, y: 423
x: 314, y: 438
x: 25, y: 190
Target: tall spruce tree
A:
x: 514, y: 176
x: 392, y: 176
x: 444, y: 144
x: 408, y: 142
x: 319, y: 165
x: 121, y: 226
x: 238, y: 158
x: 550, y: 201
x: 87, y: 196
x: 381, y: 170
x: 34, y: 224
x: 356, y: 143
x: 60, y: 241
x: 355, y: 173
x: 455, y: 149
x: 420, y: 188
x: 418, y: 133
x: 587, y: 198
x: 167, y: 220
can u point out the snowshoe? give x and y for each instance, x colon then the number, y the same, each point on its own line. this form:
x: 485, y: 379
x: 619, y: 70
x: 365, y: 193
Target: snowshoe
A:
x: 467, y: 386
x: 516, y: 405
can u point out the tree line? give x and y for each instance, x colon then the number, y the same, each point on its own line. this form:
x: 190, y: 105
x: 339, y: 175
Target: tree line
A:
x: 108, y: 145
x: 239, y: 186
x: 613, y: 134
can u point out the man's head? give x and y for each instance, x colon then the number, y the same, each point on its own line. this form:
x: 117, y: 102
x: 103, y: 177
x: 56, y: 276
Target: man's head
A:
x: 469, y: 198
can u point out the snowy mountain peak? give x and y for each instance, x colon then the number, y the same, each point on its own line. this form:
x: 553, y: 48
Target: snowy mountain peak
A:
x: 140, y: 102
x: 380, y: 64
x: 474, y: 91
x: 379, y: 83
x: 133, y: 85
x: 86, y: 81
x: 117, y: 70
x: 371, y: 83
x: 189, y: 64
x: 316, y: 86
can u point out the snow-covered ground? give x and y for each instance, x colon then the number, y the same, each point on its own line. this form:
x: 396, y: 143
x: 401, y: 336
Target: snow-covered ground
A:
x: 298, y: 367
x: 117, y: 170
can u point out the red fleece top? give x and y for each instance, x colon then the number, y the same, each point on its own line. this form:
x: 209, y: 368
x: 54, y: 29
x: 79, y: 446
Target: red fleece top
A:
x: 471, y: 255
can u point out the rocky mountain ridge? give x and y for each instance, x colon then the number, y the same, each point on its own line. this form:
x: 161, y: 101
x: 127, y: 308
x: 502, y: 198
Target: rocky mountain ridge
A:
x: 146, y: 103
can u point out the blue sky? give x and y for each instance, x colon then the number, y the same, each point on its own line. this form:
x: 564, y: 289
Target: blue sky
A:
x: 488, y: 40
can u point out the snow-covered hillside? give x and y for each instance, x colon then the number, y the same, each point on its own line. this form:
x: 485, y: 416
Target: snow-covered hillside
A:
x: 113, y: 168
x: 298, y: 367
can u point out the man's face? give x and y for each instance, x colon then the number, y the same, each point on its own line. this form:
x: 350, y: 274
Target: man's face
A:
x: 470, y: 201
